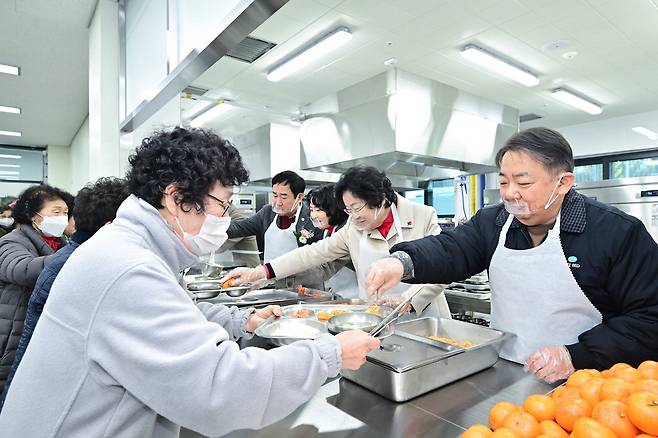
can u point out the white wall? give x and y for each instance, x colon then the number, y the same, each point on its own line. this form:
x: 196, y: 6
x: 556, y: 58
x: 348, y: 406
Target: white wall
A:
x: 79, y: 155
x: 611, y: 136
x: 59, y: 167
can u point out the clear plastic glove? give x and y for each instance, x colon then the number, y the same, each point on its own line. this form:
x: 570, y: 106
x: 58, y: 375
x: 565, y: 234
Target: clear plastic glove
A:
x: 354, y: 346
x: 393, y: 300
x: 550, y: 363
x: 240, y: 276
x: 383, y: 275
x: 260, y: 316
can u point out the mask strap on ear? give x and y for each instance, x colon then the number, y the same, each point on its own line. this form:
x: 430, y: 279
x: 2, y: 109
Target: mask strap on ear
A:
x: 551, y: 201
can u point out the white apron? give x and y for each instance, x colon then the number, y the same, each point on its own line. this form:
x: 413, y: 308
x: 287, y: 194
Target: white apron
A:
x: 343, y: 282
x: 279, y: 242
x: 535, y: 297
x: 368, y: 255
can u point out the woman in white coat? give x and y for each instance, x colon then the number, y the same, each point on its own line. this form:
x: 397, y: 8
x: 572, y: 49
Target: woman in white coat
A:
x: 379, y: 218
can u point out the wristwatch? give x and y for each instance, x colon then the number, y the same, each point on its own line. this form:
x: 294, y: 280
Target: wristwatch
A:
x: 407, y: 264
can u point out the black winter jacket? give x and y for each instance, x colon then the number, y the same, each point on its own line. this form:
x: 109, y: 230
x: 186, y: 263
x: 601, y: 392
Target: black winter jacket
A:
x: 611, y: 255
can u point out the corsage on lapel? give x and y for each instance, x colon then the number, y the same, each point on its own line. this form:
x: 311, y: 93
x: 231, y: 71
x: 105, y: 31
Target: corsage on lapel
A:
x: 303, y: 236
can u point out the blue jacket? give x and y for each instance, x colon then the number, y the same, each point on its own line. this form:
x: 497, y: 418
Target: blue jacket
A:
x: 38, y: 299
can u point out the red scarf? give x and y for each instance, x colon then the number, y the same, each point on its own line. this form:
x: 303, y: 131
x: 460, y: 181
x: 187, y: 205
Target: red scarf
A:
x: 54, y: 242
x: 386, y: 226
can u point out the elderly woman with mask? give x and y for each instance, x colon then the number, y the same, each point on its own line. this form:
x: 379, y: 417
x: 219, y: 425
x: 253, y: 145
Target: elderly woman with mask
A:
x: 41, y: 216
x: 129, y: 353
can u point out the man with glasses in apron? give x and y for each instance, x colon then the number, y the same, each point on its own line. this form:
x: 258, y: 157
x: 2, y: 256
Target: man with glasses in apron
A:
x: 574, y: 280
x: 378, y: 219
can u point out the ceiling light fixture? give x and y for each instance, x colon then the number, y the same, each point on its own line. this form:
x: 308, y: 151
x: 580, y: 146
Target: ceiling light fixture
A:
x: 310, y: 53
x: 646, y: 132
x: 576, y: 101
x: 15, y: 166
x: 221, y: 108
x: 10, y: 69
x: 9, y: 172
x: 11, y: 157
x: 10, y: 134
x: 9, y: 109
x: 499, y: 65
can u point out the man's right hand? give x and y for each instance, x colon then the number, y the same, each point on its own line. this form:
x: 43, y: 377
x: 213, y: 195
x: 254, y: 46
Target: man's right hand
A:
x: 354, y: 346
x: 240, y: 276
x: 383, y: 275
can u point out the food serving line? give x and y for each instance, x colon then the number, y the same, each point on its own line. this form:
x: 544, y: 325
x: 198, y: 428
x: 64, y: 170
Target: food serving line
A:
x: 416, y: 384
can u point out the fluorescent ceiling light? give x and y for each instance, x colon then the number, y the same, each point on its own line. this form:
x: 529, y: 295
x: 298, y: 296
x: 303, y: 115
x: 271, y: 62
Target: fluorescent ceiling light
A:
x: 576, y: 101
x: 646, y: 132
x: 321, y: 47
x: 9, y: 109
x: 12, y: 157
x: 212, y: 113
x: 10, y: 165
x: 10, y: 133
x: 10, y: 69
x: 9, y: 172
x: 498, y: 65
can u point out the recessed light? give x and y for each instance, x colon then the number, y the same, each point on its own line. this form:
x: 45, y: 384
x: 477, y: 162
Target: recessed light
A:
x: 499, y: 65
x: 10, y: 69
x: 9, y: 109
x: 576, y: 101
x: 570, y: 55
x: 315, y: 50
x: 646, y: 132
x: 10, y: 134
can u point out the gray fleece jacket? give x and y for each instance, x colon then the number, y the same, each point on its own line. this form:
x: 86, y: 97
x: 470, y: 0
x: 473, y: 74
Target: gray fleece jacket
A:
x: 121, y: 350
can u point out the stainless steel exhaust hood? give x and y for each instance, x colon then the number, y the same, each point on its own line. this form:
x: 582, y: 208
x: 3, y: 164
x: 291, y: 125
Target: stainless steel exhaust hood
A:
x: 412, y: 127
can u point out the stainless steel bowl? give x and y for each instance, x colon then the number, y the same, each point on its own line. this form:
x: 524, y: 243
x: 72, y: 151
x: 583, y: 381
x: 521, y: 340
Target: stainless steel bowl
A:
x: 356, y: 321
x: 205, y: 285
x: 284, y: 331
x: 236, y: 291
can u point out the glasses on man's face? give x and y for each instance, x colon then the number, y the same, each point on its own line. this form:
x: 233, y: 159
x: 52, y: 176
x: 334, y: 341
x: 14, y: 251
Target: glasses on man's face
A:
x: 222, y: 204
x: 351, y: 212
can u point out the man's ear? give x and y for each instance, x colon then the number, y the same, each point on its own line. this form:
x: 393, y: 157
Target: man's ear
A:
x: 567, y: 182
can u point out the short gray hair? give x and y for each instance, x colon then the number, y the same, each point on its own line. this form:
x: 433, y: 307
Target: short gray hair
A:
x: 546, y: 145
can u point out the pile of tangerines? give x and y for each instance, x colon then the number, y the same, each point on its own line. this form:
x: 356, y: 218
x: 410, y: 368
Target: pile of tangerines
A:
x: 619, y: 402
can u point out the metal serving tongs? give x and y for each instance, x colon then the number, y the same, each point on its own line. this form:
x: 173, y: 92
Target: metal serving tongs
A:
x: 396, y: 313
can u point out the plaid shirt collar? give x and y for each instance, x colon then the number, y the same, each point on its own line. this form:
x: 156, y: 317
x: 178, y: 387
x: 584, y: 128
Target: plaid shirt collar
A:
x: 573, y: 219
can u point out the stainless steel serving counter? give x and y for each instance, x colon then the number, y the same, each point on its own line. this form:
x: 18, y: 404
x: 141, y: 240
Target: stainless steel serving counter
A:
x: 344, y: 409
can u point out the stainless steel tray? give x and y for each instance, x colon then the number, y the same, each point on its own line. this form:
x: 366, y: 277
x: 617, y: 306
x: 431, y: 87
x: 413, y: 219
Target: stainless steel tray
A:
x: 284, y: 331
x: 405, y: 368
x: 257, y: 298
x: 289, y: 310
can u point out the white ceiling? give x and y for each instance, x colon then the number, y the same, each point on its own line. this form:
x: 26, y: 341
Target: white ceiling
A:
x: 48, y: 40
x: 616, y: 64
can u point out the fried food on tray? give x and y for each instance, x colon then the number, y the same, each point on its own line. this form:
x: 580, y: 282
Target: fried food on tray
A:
x: 455, y: 342
x: 374, y: 309
x: 227, y: 284
x: 304, y: 291
x: 302, y: 313
x: 324, y: 316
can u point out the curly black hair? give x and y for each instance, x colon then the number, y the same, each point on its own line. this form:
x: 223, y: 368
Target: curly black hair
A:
x: 32, y: 199
x: 324, y: 198
x: 96, y: 203
x: 367, y: 183
x: 191, y: 158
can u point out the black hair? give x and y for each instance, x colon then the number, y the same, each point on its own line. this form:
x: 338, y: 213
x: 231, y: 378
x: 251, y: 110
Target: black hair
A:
x: 96, y: 203
x: 32, y: 199
x: 324, y: 198
x: 4, y: 208
x: 70, y: 203
x: 367, y: 183
x: 191, y: 158
x: 546, y: 145
x: 288, y: 177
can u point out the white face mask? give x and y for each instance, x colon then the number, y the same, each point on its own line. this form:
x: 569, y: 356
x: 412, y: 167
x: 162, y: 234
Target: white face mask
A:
x: 6, y: 221
x: 211, y: 237
x: 280, y: 212
x: 317, y: 224
x: 53, y: 226
x: 521, y: 207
